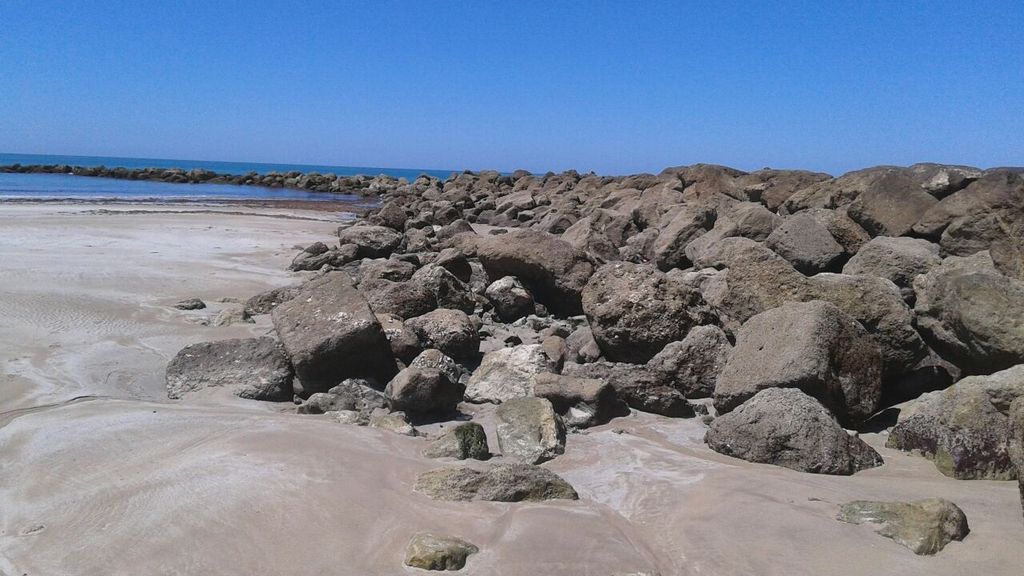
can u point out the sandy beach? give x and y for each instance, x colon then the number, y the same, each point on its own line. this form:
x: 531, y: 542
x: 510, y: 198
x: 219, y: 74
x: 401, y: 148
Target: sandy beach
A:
x: 102, y: 475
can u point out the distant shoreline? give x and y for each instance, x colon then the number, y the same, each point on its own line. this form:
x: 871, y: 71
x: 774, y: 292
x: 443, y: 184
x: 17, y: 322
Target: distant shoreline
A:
x: 308, y: 181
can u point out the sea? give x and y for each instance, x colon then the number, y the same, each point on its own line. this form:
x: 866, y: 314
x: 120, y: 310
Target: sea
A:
x: 70, y: 187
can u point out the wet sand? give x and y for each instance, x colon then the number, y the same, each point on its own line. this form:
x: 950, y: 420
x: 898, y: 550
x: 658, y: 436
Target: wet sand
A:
x: 100, y: 474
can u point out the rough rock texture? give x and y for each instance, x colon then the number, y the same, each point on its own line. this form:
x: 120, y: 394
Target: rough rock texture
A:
x: 405, y: 343
x: 582, y: 402
x: 690, y: 223
x: 422, y: 391
x: 254, y: 368
x: 897, y: 259
x: 190, y: 304
x: 430, y: 552
x: 892, y: 207
x: 924, y: 526
x: 265, y: 302
x: 352, y: 395
x: 971, y: 314
x: 553, y: 270
x: 446, y: 288
x: 449, y: 331
x: 805, y: 244
x: 463, y: 441
x: 785, y: 427
x: 637, y: 386
x: 511, y: 300
x: 693, y: 364
x: 505, y: 373
x: 529, y: 430
x: 634, y: 310
x: 500, y: 483
x: 331, y: 334
x: 371, y: 241
x: 965, y: 428
x: 813, y: 346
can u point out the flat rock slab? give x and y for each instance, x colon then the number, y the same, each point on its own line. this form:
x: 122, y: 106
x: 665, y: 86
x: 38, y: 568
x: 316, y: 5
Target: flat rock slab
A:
x: 924, y: 526
x: 501, y: 483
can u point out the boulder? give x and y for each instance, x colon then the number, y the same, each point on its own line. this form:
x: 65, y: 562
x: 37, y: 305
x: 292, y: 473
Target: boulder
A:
x: 265, y: 302
x: 430, y: 552
x: 587, y: 236
x: 511, y: 300
x: 234, y: 314
x: 506, y: 373
x: 190, y: 304
x: 433, y: 358
x: 449, y: 331
x: 314, y: 260
x: 394, y: 422
x: 924, y: 526
x: 581, y: 402
x: 552, y: 269
x: 529, y: 430
x: 692, y: 365
x: 637, y: 386
x: 899, y: 260
x: 813, y: 346
x: 352, y: 395
x: 466, y: 440
x: 581, y: 346
x: 669, y: 250
x: 371, y: 241
x: 805, y: 244
x: 634, y: 310
x: 423, y: 391
x: 965, y: 428
x: 401, y: 299
x: 971, y: 314
x: 499, y: 483
x: 785, y: 427
x: 454, y: 261
x: 405, y: 343
x: 448, y: 291
x: 254, y: 368
x: 330, y: 334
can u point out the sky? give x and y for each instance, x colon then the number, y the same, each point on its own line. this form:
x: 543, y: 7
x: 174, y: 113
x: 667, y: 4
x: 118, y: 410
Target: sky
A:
x: 613, y: 87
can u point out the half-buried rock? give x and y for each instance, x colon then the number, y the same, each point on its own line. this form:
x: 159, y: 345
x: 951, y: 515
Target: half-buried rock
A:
x: 431, y: 552
x: 254, y: 368
x: 466, y: 440
x: 785, y: 427
x: 813, y: 346
x: 423, y: 391
x: 501, y: 483
x: 529, y: 430
x: 924, y: 526
x: 331, y: 334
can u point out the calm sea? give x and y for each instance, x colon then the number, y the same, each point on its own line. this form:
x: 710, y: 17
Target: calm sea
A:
x: 61, y: 186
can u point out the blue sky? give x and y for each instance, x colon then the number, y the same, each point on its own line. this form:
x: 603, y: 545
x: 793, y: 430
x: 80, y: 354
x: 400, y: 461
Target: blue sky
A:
x: 614, y: 87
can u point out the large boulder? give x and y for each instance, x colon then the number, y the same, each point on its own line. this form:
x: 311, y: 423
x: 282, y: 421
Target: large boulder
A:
x: 500, y: 483
x: 634, y: 310
x: 897, y: 259
x: 813, y: 346
x: 637, y: 386
x: 924, y: 526
x: 552, y: 269
x: 965, y: 429
x: 465, y: 440
x: 892, y: 207
x: 971, y: 314
x: 450, y: 331
x: 330, y: 334
x: 693, y: 364
x: 1017, y: 441
x: 371, y: 241
x: 506, y: 373
x: 529, y: 430
x: 254, y: 368
x: 447, y: 290
x: 785, y: 427
x: 687, y: 225
x: 805, y: 243
x: 582, y: 402
x: 431, y: 552
x: 423, y: 391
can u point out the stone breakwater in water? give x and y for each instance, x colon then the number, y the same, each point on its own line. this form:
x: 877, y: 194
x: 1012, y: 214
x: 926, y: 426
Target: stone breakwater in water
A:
x: 783, y: 307
x: 309, y: 181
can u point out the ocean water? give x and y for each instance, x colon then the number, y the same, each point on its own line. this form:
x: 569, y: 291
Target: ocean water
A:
x: 65, y: 186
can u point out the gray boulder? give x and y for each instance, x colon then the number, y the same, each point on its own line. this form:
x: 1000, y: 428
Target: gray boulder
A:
x: 529, y: 430
x: 431, y: 552
x: 433, y: 358
x: 511, y: 300
x: 506, y: 373
x: 693, y: 364
x: 637, y: 386
x: 254, y: 368
x: 500, y: 483
x: 352, y: 395
x: 190, y: 304
x: 690, y: 223
x: 785, y: 427
x: 805, y: 244
x: 330, y: 334
x: 813, y: 346
x: 892, y: 207
x: 466, y: 440
x: 401, y: 299
x: 405, y: 343
x: 924, y: 526
x: 447, y: 290
x: 449, y: 331
x: 899, y: 260
x: 581, y: 402
x: 423, y: 391
x: 371, y: 241
x: 965, y: 429
x: 634, y: 310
